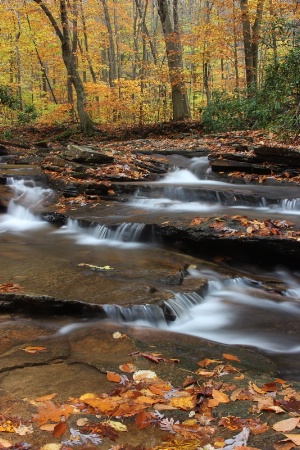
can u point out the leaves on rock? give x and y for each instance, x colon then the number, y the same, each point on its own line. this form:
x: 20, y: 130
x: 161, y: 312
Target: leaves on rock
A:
x: 49, y: 412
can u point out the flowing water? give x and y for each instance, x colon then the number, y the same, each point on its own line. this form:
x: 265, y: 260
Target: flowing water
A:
x: 236, y: 306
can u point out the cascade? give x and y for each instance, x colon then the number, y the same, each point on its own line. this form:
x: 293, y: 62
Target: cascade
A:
x: 126, y: 234
x: 21, y: 212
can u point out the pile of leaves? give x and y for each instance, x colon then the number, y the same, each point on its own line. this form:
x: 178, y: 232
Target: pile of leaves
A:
x: 242, y: 226
x: 185, y: 417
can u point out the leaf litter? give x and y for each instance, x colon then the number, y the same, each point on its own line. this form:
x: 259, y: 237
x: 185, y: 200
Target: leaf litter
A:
x: 186, y: 416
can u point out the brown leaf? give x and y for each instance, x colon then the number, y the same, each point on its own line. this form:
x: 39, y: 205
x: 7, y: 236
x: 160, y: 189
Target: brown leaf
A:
x: 142, y: 420
x: 270, y: 387
x: 60, y: 429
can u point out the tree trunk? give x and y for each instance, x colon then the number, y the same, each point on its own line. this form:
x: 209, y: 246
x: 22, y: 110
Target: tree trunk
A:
x: 251, y: 41
x: 112, y: 74
x: 70, y: 59
x: 249, y: 63
x: 169, y: 22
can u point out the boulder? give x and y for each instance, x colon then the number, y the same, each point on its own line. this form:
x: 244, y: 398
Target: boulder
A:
x: 85, y: 155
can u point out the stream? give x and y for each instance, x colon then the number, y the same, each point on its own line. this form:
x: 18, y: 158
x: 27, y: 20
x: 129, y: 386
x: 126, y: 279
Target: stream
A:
x: 237, y: 305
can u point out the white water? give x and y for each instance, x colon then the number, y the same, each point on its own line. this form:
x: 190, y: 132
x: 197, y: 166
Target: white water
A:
x: 174, y: 199
x: 235, y: 311
x: 28, y: 198
x: 126, y: 235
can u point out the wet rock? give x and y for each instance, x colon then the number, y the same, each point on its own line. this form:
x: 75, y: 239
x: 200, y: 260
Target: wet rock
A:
x: 3, y: 150
x: 30, y: 158
x: 285, y: 155
x: 85, y: 155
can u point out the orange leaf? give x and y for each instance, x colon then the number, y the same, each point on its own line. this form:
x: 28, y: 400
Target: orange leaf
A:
x: 231, y: 357
x: 114, y: 377
x: 217, y: 398
x: 48, y: 411
x: 128, y: 368
x: 44, y: 398
x: 206, y: 362
x: 142, y: 420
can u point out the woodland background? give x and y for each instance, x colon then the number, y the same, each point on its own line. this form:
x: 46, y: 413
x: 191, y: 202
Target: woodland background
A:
x: 231, y: 64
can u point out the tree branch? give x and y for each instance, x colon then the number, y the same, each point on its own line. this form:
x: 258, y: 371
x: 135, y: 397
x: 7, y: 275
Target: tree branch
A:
x: 51, y: 19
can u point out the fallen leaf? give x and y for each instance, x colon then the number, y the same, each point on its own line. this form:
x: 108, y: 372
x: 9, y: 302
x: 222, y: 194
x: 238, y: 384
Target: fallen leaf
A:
x: 5, y: 444
x: 144, y: 375
x: 30, y: 349
x: 206, y: 362
x: 60, y: 429
x: 142, y: 420
x: 114, y: 377
x: 82, y: 421
x: 231, y: 357
x: 284, y: 444
x: 118, y: 335
x: 286, y: 425
x: 48, y: 411
x: 22, y: 430
x: 118, y: 426
x: 48, y: 427
x: 128, y: 368
x: 295, y: 438
x: 217, y: 398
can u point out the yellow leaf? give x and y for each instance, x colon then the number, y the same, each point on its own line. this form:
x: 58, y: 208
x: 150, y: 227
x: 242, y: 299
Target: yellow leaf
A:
x: 118, y: 426
x: 184, y: 403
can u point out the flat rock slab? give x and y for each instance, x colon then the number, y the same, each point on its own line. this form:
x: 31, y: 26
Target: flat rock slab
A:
x: 85, y: 154
x: 20, y: 170
x: 74, y: 360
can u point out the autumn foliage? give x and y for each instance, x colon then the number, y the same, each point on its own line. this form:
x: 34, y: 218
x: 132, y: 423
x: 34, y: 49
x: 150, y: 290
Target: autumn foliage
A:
x: 119, y: 54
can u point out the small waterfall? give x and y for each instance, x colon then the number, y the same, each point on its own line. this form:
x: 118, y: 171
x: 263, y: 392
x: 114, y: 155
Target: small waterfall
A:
x: 28, y: 197
x: 125, y: 234
x: 151, y: 315
x: 181, y: 304
x: 290, y: 205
